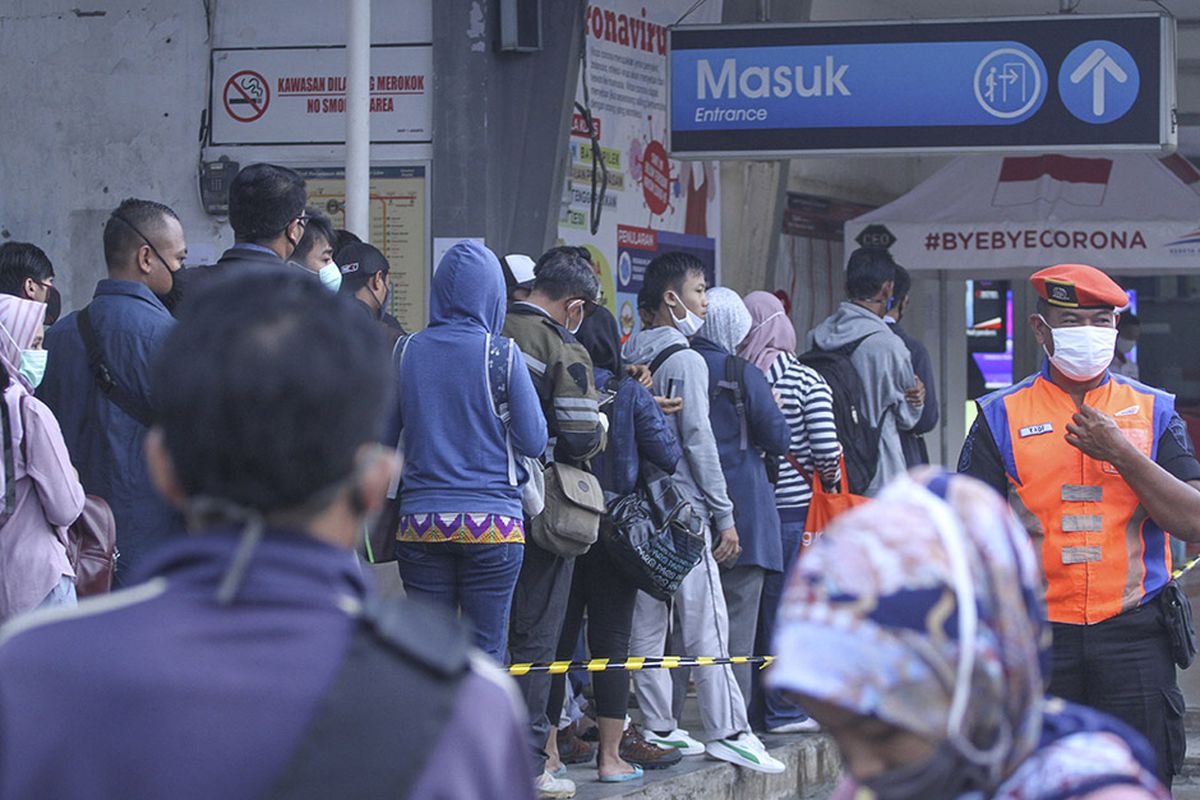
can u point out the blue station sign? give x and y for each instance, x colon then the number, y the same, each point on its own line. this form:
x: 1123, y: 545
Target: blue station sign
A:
x: 1046, y: 83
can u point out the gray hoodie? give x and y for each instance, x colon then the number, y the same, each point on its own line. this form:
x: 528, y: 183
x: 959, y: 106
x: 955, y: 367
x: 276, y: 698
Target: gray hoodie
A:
x: 699, y: 471
x: 885, y: 367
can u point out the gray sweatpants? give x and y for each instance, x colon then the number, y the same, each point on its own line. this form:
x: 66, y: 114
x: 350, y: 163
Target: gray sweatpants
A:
x: 705, y: 623
x: 743, y: 595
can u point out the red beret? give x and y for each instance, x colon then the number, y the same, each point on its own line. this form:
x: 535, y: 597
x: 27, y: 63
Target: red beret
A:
x: 1078, y: 286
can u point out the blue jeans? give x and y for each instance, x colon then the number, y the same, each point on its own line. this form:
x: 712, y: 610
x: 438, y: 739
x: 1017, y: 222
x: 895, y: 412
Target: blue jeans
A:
x: 771, y: 709
x: 476, y: 579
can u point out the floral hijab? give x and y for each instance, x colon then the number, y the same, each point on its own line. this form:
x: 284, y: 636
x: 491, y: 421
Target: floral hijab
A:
x: 878, y: 618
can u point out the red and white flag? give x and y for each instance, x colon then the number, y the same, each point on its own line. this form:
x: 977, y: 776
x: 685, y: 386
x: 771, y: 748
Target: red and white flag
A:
x: 1050, y: 179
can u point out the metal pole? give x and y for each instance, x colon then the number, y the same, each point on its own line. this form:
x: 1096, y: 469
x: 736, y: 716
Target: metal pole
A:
x: 358, y: 117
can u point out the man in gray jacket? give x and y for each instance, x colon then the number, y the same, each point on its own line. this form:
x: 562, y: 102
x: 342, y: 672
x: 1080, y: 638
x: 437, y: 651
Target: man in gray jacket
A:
x: 675, y: 289
x: 893, y: 396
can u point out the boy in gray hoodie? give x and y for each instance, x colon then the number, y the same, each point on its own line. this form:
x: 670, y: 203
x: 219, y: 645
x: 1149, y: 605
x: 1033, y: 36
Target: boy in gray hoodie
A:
x: 675, y: 287
x: 893, y: 395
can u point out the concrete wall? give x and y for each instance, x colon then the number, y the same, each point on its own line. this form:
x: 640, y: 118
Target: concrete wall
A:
x: 105, y: 104
x: 110, y: 108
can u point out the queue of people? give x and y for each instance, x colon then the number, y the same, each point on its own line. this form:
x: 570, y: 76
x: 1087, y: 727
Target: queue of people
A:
x: 272, y: 408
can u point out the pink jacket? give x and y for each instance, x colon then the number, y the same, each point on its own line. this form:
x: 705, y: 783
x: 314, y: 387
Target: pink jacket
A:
x: 48, y: 498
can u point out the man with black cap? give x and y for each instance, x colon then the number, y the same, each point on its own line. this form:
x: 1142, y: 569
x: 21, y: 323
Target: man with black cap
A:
x: 256, y: 661
x: 365, y: 277
x: 1098, y: 467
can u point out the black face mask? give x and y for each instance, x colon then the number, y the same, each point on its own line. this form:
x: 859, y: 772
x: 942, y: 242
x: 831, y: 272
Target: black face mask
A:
x: 944, y: 775
x: 53, y: 305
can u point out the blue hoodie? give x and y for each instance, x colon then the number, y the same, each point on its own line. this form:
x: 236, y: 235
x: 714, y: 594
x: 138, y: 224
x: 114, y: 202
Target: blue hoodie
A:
x: 454, y: 445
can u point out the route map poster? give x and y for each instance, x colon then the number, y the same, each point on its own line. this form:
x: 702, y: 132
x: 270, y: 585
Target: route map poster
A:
x: 653, y: 203
x: 398, y: 228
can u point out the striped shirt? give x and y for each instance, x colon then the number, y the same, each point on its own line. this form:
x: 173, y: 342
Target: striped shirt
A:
x: 808, y: 408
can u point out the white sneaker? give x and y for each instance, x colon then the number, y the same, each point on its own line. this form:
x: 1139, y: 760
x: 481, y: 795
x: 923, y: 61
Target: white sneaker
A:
x: 678, y: 738
x: 808, y: 725
x: 549, y: 786
x: 745, y: 751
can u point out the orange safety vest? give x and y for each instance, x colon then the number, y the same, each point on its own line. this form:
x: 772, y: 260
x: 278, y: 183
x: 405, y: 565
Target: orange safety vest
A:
x: 1101, y: 553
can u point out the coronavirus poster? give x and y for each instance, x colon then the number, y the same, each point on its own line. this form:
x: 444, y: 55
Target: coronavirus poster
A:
x: 652, y: 203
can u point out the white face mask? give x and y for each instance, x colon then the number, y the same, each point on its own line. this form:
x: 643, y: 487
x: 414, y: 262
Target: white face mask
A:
x: 575, y: 328
x: 691, y: 324
x: 1082, y: 353
x: 331, y: 276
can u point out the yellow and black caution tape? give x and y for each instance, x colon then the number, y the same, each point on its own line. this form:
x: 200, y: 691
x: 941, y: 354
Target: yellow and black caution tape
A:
x: 1179, y: 573
x: 634, y: 664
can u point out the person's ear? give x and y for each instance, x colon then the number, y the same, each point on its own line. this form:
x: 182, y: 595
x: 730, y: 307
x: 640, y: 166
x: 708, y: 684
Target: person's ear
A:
x: 29, y: 288
x: 1043, y: 336
x: 162, y: 469
x: 145, y: 260
x: 887, y: 290
x: 378, y: 468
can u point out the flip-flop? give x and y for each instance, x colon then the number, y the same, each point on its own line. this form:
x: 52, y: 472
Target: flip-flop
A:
x: 624, y: 776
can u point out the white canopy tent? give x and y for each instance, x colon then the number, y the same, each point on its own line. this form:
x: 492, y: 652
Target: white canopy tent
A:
x: 993, y: 217
x: 997, y: 216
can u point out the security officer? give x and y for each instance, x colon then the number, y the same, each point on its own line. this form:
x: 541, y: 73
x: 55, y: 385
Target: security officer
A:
x: 1098, y: 467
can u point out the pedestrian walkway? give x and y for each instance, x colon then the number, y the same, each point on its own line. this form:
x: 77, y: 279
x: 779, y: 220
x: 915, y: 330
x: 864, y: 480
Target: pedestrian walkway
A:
x: 813, y: 769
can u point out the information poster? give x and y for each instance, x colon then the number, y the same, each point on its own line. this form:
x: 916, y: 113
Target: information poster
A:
x: 398, y: 229
x: 653, y: 203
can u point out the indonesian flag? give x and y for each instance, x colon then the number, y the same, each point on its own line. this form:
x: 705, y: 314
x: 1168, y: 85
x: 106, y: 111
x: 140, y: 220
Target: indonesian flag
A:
x: 1181, y: 168
x: 1052, y: 179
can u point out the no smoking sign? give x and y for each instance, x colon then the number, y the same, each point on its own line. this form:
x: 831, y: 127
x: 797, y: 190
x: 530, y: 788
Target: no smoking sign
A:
x: 246, y: 96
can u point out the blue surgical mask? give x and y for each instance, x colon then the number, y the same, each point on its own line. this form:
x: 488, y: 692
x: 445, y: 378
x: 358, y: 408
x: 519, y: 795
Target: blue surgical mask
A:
x: 33, y: 366
x: 331, y: 276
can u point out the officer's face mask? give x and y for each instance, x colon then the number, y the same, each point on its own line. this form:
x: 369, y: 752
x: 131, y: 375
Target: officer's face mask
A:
x: 1081, y: 353
x: 331, y: 276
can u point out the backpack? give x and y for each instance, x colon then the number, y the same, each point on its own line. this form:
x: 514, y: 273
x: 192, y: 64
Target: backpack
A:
x: 379, y: 538
x: 734, y: 384
x: 858, y: 435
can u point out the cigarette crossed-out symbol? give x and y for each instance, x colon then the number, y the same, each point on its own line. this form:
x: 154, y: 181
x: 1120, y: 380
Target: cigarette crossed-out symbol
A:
x: 246, y: 96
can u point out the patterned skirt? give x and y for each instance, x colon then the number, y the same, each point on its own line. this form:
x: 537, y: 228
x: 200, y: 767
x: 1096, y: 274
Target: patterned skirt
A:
x: 463, y: 528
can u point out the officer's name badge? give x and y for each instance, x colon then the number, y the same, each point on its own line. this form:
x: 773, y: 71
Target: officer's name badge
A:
x: 1037, y: 430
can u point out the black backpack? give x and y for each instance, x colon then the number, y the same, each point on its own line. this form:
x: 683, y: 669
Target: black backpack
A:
x: 858, y: 435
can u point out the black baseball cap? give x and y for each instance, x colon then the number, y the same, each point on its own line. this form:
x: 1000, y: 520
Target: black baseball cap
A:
x: 358, y: 261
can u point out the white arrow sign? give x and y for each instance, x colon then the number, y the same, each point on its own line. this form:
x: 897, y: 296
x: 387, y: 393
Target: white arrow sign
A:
x: 1098, y: 63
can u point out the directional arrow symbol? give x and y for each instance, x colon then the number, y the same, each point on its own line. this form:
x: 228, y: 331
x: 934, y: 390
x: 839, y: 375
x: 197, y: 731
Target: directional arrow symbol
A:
x: 1098, y: 63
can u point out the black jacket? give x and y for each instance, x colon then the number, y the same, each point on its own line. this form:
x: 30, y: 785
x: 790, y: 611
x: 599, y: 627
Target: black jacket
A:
x: 238, y: 257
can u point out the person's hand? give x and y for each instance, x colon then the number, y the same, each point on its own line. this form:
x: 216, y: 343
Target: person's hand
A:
x: 1097, y: 435
x: 669, y: 405
x: 778, y: 399
x: 729, y: 549
x: 640, y: 373
x: 916, y: 395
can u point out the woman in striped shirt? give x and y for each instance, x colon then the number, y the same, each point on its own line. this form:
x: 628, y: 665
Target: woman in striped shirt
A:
x: 808, y: 407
